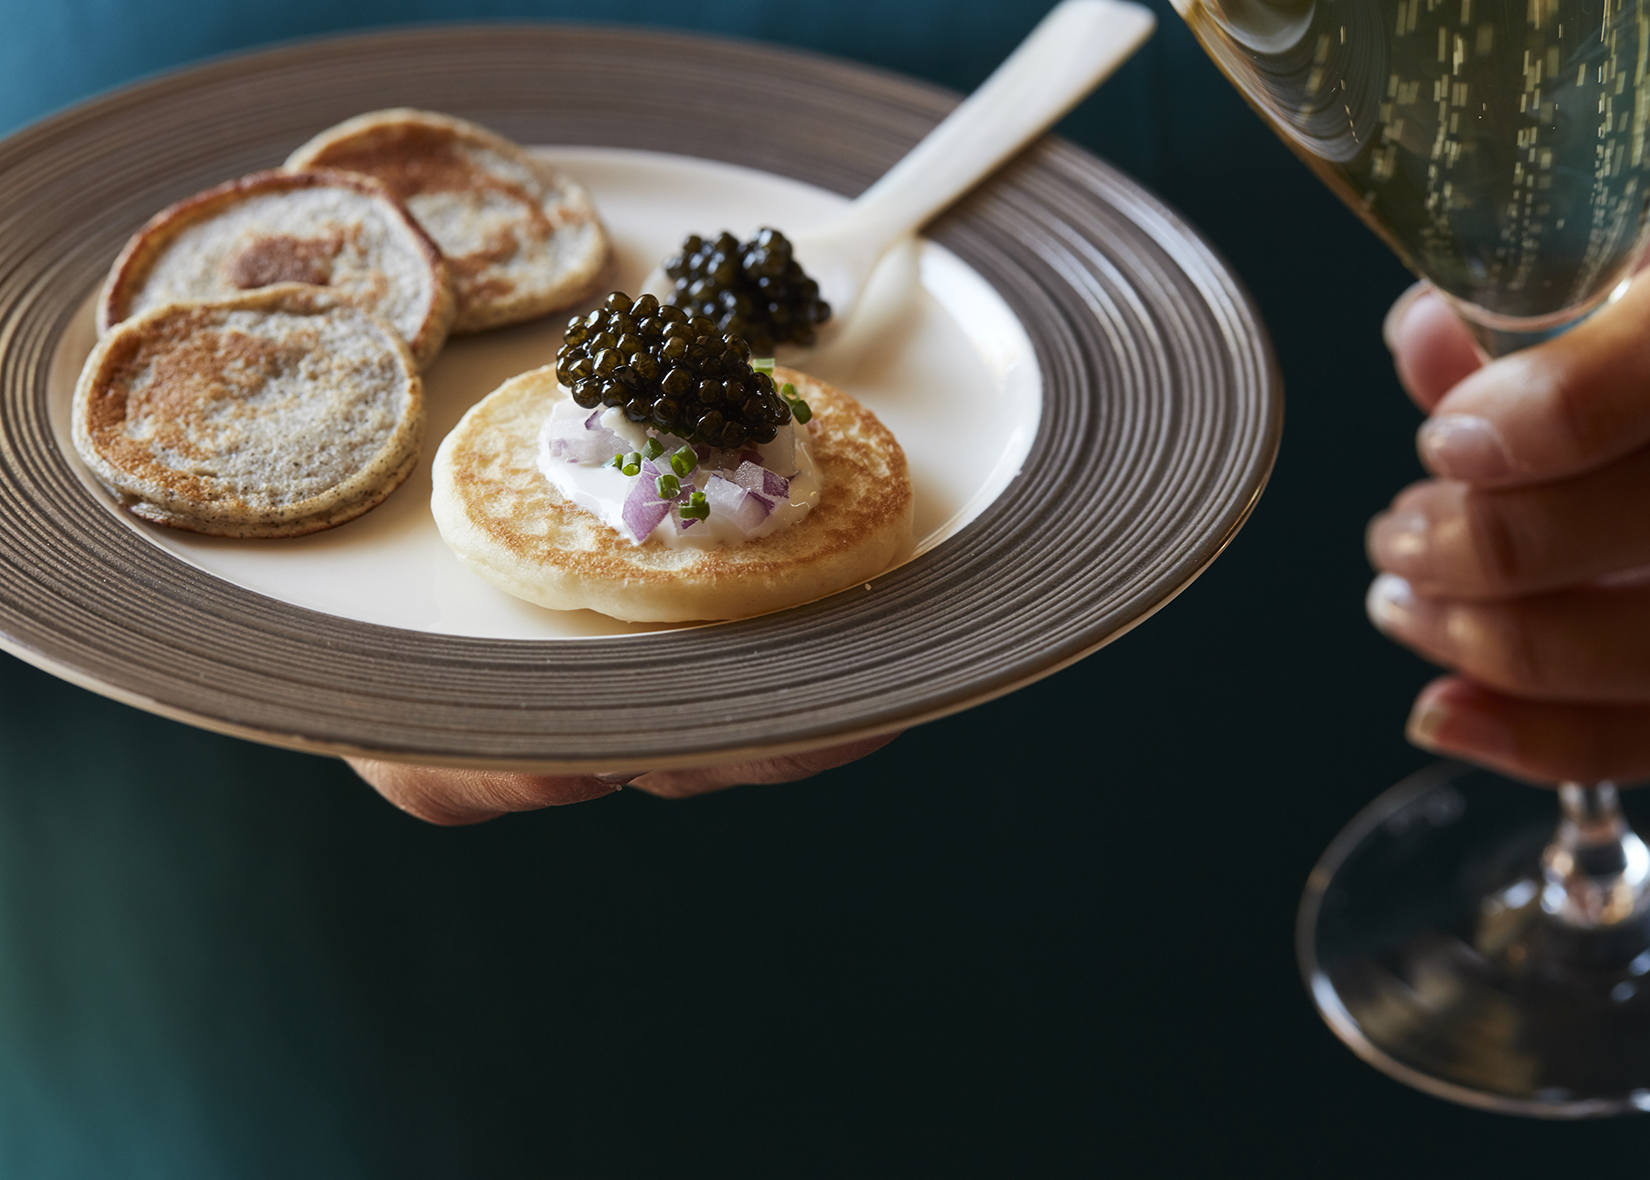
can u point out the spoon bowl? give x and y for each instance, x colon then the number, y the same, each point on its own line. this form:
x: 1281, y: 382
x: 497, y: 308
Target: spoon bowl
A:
x: 1078, y: 45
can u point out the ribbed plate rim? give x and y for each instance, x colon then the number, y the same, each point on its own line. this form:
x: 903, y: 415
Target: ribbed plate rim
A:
x: 1075, y: 247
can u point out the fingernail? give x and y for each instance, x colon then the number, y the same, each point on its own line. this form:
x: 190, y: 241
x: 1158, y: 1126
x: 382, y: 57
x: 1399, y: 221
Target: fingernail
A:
x: 1440, y: 725
x: 1463, y: 446
x: 1390, y: 602
x: 1412, y: 619
x: 1398, y: 538
x: 1395, y: 315
x: 618, y: 778
x: 1395, y: 608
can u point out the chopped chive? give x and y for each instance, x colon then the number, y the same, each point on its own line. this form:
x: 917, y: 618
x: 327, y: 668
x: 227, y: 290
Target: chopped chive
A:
x: 684, y: 461
x: 763, y: 365
x: 652, y: 449
x: 799, y: 408
x: 696, y: 508
x: 617, y: 461
x: 632, y: 464
x: 669, y: 486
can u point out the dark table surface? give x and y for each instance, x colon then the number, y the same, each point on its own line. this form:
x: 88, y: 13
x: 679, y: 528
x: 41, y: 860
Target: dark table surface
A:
x: 1052, y: 936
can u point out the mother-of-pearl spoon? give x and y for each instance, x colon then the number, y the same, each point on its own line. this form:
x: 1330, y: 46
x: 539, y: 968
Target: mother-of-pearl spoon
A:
x: 1074, y: 48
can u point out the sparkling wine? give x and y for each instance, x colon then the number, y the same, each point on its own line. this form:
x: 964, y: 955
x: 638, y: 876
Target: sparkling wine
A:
x: 1498, y: 145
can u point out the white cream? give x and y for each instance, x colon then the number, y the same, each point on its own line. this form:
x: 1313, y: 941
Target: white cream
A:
x: 601, y: 489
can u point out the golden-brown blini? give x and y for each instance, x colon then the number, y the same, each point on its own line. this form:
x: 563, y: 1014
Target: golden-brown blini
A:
x: 329, y: 229
x: 520, y: 238
x: 282, y: 411
x: 506, y: 522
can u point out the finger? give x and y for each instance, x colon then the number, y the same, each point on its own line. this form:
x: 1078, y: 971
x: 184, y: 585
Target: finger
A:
x: 1535, y: 740
x: 783, y: 768
x: 1588, y: 645
x: 1551, y: 411
x: 450, y: 797
x: 1431, y: 348
x: 1451, y: 540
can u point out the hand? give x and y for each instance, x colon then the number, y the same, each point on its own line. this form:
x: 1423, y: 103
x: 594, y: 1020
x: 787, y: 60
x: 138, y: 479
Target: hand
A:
x: 451, y: 797
x: 1525, y: 566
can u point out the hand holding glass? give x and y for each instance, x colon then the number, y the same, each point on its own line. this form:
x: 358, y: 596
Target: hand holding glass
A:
x: 1500, y: 149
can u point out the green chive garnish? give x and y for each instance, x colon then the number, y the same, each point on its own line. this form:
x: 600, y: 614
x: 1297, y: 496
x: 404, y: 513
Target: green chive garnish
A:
x: 652, y: 449
x: 632, y: 464
x: 799, y: 408
x: 763, y: 365
x: 669, y: 486
x: 695, y: 508
x: 684, y: 461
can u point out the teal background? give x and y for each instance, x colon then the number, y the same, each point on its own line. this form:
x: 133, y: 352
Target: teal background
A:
x: 1050, y: 937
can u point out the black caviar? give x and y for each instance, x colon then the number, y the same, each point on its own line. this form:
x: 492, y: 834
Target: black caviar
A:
x: 673, y: 371
x: 753, y: 289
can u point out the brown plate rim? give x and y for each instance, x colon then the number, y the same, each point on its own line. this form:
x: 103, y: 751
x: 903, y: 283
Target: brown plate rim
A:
x: 1161, y: 420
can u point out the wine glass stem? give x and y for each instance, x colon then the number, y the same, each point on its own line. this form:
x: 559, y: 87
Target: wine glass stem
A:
x: 1596, y: 869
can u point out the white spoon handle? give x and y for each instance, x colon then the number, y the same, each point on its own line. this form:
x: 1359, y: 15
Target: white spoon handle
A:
x: 1072, y: 51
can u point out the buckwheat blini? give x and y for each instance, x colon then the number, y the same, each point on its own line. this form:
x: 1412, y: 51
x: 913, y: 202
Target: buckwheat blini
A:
x: 328, y: 229
x: 521, y: 239
x: 504, y: 519
x: 279, y: 412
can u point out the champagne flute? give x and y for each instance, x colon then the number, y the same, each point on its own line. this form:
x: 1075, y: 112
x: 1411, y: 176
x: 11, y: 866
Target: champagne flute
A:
x: 1449, y: 935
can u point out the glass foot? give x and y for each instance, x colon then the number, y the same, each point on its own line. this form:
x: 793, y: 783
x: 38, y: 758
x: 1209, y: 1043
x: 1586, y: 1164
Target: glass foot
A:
x: 1431, y: 939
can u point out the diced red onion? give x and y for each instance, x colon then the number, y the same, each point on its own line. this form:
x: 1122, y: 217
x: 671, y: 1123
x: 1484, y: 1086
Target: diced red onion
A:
x: 735, y: 504
x: 759, y: 481
x: 643, y: 510
x: 586, y: 442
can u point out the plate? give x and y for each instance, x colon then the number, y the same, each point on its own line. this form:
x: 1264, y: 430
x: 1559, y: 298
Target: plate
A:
x: 934, y: 351
x: 1122, y: 414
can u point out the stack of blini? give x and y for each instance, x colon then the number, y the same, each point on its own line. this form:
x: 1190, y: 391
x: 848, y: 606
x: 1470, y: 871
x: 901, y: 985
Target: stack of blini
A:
x: 257, y: 372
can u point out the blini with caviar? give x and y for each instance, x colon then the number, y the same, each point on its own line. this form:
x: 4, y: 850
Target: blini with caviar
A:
x: 653, y: 475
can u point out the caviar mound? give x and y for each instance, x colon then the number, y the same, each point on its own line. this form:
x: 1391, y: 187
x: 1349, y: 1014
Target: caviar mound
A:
x: 755, y: 290
x: 670, y: 370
